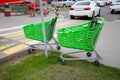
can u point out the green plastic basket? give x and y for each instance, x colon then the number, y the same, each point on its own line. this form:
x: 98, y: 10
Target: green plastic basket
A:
x: 81, y: 37
x: 34, y: 31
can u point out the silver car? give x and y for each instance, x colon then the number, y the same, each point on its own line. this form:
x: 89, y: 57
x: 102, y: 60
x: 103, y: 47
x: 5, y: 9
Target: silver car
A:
x: 115, y: 6
x: 62, y: 3
x: 101, y: 3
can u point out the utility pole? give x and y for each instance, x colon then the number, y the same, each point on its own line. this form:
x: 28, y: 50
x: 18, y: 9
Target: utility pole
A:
x: 43, y: 28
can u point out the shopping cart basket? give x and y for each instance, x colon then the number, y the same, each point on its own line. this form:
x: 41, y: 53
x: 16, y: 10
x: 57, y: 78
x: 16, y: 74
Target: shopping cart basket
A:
x: 34, y: 32
x: 83, y: 37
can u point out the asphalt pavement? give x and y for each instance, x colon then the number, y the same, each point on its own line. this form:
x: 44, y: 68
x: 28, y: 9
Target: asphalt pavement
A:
x: 108, y: 44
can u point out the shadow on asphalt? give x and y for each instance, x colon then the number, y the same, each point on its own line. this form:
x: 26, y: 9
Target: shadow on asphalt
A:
x: 82, y: 18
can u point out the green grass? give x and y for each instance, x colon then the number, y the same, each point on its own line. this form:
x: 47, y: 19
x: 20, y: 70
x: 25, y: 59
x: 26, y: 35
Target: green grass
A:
x: 60, y: 9
x: 63, y: 9
x: 42, y: 68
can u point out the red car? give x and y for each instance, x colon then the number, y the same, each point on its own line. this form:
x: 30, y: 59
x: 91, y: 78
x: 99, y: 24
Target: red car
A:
x: 31, y: 6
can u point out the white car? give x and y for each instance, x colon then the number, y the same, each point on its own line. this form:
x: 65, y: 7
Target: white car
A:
x: 101, y: 3
x: 115, y: 6
x: 84, y: 8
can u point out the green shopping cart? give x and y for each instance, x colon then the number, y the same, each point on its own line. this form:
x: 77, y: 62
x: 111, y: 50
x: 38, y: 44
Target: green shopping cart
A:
x: 34, y: 32
x: 83, y: 37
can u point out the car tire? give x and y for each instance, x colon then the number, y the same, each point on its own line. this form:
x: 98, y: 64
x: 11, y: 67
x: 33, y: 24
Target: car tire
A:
x: 112, y: 11
x: 64, y: 5
x: 31, y: 8
x: 53, y: 5
x: 72, y: 17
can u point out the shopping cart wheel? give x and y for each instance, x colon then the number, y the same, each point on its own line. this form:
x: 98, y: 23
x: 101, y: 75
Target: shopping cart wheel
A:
x: 97, y: 63
x: 58, y: 47
x: 53, y: 52
x: 63, y: 62
x: 59, y: 59
x: 89, y: 54
x: 30, y: 51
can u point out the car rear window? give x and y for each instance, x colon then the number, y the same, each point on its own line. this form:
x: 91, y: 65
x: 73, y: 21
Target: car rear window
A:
x: 83, y: 3
x: 118, y: 1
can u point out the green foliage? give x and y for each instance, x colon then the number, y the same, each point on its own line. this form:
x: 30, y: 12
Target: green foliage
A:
x: 42, y: 68
x: 60, y: 9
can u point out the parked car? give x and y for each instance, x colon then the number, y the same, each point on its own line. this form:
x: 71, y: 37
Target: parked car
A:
x: 108, y: 2
x: 115, y: 6
x: 31, y: 6
x: 101, y: 3
x: 84, y: 8
x: 62, y: 3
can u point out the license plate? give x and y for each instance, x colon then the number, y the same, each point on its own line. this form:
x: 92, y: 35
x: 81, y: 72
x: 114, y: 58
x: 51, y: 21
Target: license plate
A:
x: 78, y: 9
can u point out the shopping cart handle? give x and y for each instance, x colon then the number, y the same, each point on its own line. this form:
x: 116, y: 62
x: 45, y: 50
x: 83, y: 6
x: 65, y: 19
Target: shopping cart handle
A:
x: 54, y: 21
x: 95, y: 22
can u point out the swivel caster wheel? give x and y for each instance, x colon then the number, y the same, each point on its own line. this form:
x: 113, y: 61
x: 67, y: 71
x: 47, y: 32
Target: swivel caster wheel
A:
x: 58, y: 47
x: 63, y: 62
x: 53, y: 52
x: 97, y: 63
x: 89, y: 54
x: 30, y: 51
x: 59, y: 59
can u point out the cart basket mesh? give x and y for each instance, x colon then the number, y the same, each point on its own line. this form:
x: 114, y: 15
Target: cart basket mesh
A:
x: 34, y: 31
x: 83, y: 37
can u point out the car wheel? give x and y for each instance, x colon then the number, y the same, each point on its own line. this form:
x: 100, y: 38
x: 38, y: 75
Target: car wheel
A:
x: 64, y: 5
x: 72, y: 17
x: 53, y: 5
x: 112, y: 11
x: 31, y: 8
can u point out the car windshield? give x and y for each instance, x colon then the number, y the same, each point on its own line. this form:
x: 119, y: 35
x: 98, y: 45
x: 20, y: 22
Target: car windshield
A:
x: 82, y: 3
x: 26, y: 3
x: 99, y: 0
x: 80, y: 0
x: 118, y: 1
x: 37, y: 2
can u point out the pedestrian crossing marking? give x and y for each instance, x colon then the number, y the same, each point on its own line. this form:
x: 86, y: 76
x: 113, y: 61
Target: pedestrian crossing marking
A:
x: 14, y: 35
x: 7, y: 45
x: 67, y: 23
x: 15, y: 49
x: 3, y: 40
x: 24, y: 40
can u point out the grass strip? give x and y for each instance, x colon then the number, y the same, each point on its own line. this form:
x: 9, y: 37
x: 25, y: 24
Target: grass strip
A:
x: 42, y: 68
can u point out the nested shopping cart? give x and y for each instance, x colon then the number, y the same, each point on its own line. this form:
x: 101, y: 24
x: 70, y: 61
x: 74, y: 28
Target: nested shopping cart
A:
x: 34, y: 32
x: 82, y: 37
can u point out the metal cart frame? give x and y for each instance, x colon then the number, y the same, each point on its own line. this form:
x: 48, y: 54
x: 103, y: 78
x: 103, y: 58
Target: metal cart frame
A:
x: 94, y: 23
x: 31, y: 31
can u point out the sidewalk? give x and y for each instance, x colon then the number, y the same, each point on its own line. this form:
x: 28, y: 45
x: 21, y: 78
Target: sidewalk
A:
x: 18, y: 20
x: 109, y: 44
